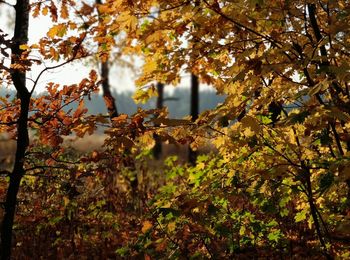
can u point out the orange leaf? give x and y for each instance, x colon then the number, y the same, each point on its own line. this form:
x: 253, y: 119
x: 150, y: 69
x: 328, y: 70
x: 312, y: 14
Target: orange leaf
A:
x: 80, y: 110
x: 146, y: 225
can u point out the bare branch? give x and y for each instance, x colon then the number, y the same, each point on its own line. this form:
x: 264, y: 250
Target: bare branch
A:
x: 6, y: 3
x: 74, y: 57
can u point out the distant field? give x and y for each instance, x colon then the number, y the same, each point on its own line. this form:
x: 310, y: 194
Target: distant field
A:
x: 84, y: 145
x: 8, y: 147
x: 7, y: 152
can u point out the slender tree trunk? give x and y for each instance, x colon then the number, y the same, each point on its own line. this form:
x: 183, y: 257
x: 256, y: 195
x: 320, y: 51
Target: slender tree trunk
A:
x: 106, y: 88
x: 316, y: 218
x: 160, y: 98
x: 18, y: 77
x: 192, y: 155
x: 157, y: 149
x: 110, y: 105
x: 335, y: 86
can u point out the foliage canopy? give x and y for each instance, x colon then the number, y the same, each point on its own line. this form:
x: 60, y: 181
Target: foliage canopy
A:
x: 282, y: 133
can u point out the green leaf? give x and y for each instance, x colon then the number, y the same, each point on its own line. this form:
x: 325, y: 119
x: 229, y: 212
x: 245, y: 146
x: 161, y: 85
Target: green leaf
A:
x: 300, y: 216
x: 274, y: 236
x: 123, y: 251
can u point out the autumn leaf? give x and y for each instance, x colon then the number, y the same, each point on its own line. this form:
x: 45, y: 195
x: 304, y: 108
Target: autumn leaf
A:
x: 146, y: 226
x: 80, y: 109
x: 58, y: 30
x: 251, y: 123
x: 24, y: 47
x: 64, y: 10
x: 86, y: 9
x: 45, y: 10
x: 142, y: 95
x: 150, y: 66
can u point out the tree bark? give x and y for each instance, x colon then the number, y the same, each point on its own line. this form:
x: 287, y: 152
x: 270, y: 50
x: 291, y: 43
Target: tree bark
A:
x: 157, y: 149
x: 336, y: 88
x: 106, y: 88
x: 19, y: 80
x: 192, y: 155
x: 316, y: 218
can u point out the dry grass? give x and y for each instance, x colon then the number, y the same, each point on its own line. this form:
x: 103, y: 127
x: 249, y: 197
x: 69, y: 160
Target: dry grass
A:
x: 7, y: 152
x: 88, y: 144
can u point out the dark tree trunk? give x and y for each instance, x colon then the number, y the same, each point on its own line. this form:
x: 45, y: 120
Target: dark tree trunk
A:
x: 336, y: 88
x: 192, y: 155
x: 106, y: 88
x: 160, y: 98
x: 322, y: 236
x: 107, y: 95
x: 18, y: 77
x: 157, y: 149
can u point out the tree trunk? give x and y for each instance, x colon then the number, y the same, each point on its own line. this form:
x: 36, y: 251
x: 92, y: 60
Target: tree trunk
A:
x: 106, y: 88
x: 157, y: 149
x: 192, y: 155
x: 18, y: 77
x: 322, y: 236
x: 335, y: 89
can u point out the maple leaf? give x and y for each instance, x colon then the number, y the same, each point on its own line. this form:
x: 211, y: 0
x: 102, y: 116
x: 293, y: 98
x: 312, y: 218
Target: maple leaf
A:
x: 58, y: 30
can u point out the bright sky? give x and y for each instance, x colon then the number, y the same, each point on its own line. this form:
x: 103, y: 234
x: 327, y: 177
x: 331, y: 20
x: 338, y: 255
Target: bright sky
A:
x: 121, y: 78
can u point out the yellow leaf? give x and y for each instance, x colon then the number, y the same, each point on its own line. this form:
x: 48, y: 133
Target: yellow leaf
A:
x: 52, y: 32
x: 201, y: 166
x: 127, y: 22
x: 147, y: 140
x: 141, y: 95
x: 103, y: 9
x: 45, y: 10
x: 171, y: 226
x: 65, y: 201
x: 57, y: 30
x: 149, y: 67
x: 153, y: 37
x: 146, y: 225
x: 23, y: 47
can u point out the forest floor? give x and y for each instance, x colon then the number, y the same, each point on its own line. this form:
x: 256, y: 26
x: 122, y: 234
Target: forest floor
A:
x: 129, y: 209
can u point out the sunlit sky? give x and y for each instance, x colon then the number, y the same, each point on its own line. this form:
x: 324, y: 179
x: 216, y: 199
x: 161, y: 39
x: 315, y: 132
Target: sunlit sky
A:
x: 121, y: 78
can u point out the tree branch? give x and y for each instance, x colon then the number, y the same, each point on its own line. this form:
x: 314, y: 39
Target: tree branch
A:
x: 272, y: 41
x: 76, y: 48
x: 6, y: 3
